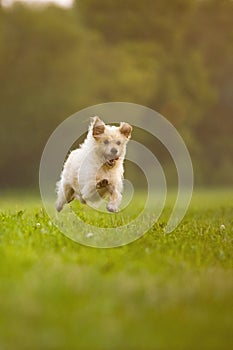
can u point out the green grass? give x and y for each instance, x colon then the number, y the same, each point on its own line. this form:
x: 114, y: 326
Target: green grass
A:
x: 161, y: 292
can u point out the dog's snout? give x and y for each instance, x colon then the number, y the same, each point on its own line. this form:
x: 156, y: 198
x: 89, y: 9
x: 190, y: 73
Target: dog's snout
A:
x: 114, y: 151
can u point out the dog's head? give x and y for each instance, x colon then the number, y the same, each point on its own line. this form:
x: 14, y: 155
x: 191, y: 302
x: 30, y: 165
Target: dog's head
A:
x: 110, y: 140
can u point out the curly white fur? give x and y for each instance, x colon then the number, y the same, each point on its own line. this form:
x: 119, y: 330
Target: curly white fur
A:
x: 95, y: 169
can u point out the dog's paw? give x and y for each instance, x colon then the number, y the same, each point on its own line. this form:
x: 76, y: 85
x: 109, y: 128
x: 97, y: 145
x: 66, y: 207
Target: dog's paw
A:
x: 102, y: 183
x: 59, y: 207
x: 81, y: 200
x: 112, y: 208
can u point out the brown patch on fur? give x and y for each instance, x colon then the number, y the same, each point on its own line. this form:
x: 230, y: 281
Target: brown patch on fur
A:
x: 98, y: 127
x: 126, y: 129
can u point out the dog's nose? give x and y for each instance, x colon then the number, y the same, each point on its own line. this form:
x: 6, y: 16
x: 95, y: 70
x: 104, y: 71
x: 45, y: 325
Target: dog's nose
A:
x: 114, y: 151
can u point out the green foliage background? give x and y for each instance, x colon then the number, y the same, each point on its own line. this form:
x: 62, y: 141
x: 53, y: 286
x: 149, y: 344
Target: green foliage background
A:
x: 173, y: 56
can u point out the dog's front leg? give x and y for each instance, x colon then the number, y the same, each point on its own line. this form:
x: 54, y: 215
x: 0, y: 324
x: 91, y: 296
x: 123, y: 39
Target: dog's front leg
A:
x: 89, y: 193
x: 115, y: 199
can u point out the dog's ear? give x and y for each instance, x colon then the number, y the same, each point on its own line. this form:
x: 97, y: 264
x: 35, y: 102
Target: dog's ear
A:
x: 98, y: 127
x: 126, y: 129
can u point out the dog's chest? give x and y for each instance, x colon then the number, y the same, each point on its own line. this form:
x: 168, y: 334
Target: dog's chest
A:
x: 108, y: 171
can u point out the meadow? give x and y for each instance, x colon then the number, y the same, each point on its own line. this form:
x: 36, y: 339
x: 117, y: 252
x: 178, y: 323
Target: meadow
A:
x: 164, y: 291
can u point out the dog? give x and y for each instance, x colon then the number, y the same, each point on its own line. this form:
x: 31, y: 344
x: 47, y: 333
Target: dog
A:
x: 95, y: 170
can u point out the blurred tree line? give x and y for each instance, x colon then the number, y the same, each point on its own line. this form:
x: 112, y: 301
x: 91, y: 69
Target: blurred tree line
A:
x: 172, y: 56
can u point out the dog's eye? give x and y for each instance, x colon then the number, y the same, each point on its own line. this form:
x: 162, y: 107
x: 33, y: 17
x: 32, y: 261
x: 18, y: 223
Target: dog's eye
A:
x: 118, y: 143
x: 106, y: 142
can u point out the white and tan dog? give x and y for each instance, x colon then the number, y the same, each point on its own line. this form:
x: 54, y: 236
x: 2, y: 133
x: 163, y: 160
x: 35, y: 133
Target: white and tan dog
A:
x: 95, y: 169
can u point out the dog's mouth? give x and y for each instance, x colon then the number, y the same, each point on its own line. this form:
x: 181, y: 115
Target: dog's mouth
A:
x: 111, y: 161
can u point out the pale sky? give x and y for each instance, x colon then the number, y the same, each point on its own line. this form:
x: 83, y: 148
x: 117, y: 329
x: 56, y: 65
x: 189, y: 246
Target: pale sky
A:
x: 64, y: 3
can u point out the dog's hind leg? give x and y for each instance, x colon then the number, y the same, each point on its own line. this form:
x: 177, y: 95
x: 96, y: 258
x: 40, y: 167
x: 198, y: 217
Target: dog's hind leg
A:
x: 65, y: 195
